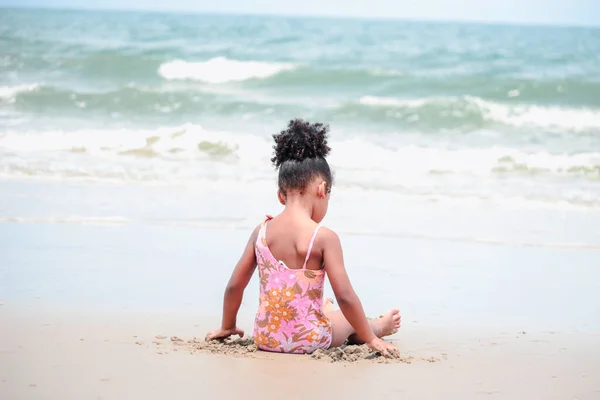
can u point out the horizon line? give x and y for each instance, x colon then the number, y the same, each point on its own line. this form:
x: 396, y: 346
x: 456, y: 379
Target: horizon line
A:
x: 304, y: 16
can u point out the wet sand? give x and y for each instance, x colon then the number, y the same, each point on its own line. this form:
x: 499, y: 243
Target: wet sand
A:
x: 61, y: 354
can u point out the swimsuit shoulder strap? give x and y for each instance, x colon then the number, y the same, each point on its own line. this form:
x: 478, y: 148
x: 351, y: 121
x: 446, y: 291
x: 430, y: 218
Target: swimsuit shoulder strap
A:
x: 310, y: 246
x: 263, y: 228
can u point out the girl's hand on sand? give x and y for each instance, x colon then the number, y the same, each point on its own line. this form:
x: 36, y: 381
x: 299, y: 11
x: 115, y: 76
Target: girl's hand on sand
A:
x: 224, y: 333
x: 386, y: 349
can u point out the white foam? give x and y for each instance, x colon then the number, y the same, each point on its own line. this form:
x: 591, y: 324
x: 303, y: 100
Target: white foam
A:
x: 394, y: 102
x: 190, y: 154
x: 166, y: 154
x: 9, y: 93
x: 169, y: 142
x: 192, y: 142
x: 517, y: 115
x: 419, y: 161
x: 577, y: 119
x: 221, y: 70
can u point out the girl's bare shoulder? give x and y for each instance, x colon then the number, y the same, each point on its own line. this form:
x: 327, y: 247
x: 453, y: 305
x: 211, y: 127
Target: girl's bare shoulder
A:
x: 328, y: 236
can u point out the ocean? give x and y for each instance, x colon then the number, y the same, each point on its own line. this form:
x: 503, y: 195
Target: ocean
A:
x: 117, y: 126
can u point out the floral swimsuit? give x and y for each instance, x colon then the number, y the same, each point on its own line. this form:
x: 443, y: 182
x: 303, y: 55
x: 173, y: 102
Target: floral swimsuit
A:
x: 290, y: 318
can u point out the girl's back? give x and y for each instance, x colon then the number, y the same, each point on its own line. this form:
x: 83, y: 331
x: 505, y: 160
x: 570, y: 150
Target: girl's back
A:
x: 288, y: 238
x: 290, y: 314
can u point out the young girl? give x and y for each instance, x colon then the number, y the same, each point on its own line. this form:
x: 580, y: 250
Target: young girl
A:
x: 293, y: 253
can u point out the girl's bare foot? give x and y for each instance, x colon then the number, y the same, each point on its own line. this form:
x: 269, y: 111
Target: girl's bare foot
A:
x: 387, y: 324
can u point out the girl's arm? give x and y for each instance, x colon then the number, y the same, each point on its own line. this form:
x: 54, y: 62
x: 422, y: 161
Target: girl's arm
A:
x: 347, y: 298
x: 234, y: 291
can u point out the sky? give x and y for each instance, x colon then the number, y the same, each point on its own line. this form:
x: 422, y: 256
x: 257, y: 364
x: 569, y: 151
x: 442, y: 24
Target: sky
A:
x: 553, y: 12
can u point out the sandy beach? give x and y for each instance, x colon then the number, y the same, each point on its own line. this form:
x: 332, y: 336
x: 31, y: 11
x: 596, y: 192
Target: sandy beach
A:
x: 74, y: 355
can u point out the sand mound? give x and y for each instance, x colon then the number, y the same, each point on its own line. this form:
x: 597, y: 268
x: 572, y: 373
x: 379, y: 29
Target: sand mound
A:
x: 236, y: 347
x: 355, y: 353
x: 245, y: 347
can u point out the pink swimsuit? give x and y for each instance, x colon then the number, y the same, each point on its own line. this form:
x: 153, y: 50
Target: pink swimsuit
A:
x: 290, y: 317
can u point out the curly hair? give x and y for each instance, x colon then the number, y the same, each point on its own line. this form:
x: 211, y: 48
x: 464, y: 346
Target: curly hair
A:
x: 300, y: 153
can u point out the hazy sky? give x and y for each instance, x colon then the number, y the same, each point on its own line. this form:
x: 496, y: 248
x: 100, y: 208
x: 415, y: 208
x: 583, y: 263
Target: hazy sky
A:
x: 578, y: 12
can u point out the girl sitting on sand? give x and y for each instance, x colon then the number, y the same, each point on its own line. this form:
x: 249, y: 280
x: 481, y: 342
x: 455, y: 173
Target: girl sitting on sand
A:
x: 293, y: 253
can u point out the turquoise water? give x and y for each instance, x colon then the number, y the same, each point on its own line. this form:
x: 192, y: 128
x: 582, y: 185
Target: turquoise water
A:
x: 429, y: 110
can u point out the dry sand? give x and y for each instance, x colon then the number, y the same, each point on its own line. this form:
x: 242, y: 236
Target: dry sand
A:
x: 74, y: 355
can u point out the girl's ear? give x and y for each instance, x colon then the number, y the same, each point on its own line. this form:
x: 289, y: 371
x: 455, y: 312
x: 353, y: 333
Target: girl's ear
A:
x: 322, y: 190
x: 281, y: 197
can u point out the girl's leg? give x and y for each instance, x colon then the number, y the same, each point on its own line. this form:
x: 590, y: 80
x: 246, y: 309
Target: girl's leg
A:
x: 385, y: 325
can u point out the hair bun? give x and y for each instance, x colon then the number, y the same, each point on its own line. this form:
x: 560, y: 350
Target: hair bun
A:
x: 301, y: 140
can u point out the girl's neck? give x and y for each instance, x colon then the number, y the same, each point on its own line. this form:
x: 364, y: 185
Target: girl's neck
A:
x: 299, y: 205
